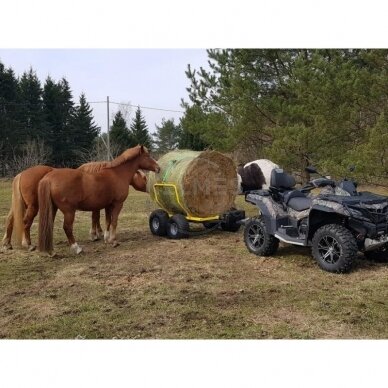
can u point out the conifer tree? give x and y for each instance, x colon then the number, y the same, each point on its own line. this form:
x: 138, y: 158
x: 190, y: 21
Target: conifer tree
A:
x: 83, y: 129
x: 58, y: 110
x: 9, y: 111
x: 139, y: 131
x: 119, y: 135
x: 167, y: 136
x: 31, y: 109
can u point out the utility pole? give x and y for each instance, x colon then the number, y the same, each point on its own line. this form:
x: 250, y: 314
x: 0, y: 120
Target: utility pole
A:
x: 107, y: 130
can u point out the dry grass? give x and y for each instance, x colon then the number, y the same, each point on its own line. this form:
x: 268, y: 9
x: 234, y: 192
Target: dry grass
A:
x: 203, y: 287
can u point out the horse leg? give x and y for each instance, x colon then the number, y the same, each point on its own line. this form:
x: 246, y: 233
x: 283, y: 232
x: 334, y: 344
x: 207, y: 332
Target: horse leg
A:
x: 68, y: 228
x: 108, y: 220
x: 99, y: 231
x: 28, y: 219
x: 8, y: 232
x: 115, y: 216
x: 94, y: 236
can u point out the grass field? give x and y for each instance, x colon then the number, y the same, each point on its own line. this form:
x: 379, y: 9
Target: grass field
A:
x: 203, y: 287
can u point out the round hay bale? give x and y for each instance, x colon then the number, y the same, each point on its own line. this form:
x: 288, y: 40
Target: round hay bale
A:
x: 206, y: 183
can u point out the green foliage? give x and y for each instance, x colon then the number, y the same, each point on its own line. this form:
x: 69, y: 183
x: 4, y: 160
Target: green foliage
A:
x: 139, y: 131
x: 46, y: 117
x: 167, y: 136
x: 297, y: 107
x: 120, y: 137
x: 82, y: 127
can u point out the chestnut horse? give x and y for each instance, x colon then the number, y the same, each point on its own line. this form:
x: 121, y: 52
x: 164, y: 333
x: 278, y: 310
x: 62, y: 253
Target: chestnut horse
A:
x: 24, y: 206
x: 139, y: 183
x: 70, y: 190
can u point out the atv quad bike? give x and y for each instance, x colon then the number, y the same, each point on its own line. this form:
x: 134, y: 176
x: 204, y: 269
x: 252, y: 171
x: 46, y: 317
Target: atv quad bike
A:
x: 337, y: 223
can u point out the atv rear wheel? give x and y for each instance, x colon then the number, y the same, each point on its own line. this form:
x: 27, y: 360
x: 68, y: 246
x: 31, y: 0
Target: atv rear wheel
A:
x: 258, y: 240
x: 334, y: 248
x: 380, y: 255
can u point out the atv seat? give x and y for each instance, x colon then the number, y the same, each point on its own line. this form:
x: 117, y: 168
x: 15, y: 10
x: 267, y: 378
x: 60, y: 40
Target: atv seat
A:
x: 291, y: 197
x: 299, y: 203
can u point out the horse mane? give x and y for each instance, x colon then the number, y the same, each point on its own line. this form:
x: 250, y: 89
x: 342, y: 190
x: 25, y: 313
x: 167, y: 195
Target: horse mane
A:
x: 129, y: 154
x: 93, y: 166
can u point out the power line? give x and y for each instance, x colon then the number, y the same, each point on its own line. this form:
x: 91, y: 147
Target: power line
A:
x: 147, y: 107
x: 89, y: 102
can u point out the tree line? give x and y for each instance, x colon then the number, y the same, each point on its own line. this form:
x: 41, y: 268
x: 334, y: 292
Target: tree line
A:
x: 41, y: 124
x: 327, y: 108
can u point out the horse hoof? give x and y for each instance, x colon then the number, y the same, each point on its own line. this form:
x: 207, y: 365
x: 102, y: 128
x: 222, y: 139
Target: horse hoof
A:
x: 7, y: 247
x: 31, y: 248
x: 76, y: 248
x: 94, y: 238
x: 115, y: 244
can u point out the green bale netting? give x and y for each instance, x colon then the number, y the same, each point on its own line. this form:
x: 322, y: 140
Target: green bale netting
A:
x: 206, y: 183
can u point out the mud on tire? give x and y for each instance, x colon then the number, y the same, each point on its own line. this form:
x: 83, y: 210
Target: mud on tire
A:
x: 334, y: 248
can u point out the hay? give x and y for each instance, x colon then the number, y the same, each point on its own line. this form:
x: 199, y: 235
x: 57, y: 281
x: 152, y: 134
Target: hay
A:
x: 206, y: 182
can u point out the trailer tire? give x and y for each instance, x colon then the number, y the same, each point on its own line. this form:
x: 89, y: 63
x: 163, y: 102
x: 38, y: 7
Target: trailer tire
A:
x: 178, y: 227
x: 158, y: 222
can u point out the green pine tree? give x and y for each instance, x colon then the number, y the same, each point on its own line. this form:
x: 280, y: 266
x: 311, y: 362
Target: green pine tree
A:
x: 10, y: 127
x: 167, y: 136
x: 31, y: 110
x: 58, y: 109
x: 83, y: 129
x: 119, y: 135
x: 139, y: 131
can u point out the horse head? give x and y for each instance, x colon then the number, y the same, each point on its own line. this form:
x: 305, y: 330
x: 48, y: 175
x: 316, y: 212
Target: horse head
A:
x: 146, y: 162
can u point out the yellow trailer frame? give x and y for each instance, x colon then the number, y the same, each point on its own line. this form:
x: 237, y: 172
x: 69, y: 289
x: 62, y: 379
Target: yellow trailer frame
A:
x: 187, y: 214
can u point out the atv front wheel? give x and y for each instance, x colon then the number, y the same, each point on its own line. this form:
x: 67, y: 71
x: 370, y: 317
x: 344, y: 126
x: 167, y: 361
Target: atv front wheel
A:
x: 334, y: 248
x: 380, y: 255
x: 258, y: 240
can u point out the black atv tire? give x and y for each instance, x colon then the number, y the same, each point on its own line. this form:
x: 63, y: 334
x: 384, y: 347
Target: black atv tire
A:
x: 334, y: 248
x: 258, y: 240
x: 158, y: 221
x: 178, y: 227
x: 230, y: 227
x: 379, y: 255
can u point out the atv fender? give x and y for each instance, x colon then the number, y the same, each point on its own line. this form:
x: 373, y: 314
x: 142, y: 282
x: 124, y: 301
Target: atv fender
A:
x: 258, y: 198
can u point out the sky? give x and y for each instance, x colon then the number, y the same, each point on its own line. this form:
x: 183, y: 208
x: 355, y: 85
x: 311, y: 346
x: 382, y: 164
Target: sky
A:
x: 146, y: 77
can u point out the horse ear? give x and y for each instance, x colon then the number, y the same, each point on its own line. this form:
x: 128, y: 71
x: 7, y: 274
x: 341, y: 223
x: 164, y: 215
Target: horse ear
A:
x: 141, y: 149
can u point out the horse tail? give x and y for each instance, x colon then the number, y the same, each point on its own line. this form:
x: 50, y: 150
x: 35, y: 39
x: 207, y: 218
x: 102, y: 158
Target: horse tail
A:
x: 18, y: 209
x: 46, y: 217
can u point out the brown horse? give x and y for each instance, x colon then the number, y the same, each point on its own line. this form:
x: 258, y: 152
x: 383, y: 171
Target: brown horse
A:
x: 70, y: 190
x: 139, y: 183
x: 25, y: 206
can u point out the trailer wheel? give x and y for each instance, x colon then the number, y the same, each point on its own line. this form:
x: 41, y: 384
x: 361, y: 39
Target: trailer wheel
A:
x: 177, y: 227
x: 158, y: 222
